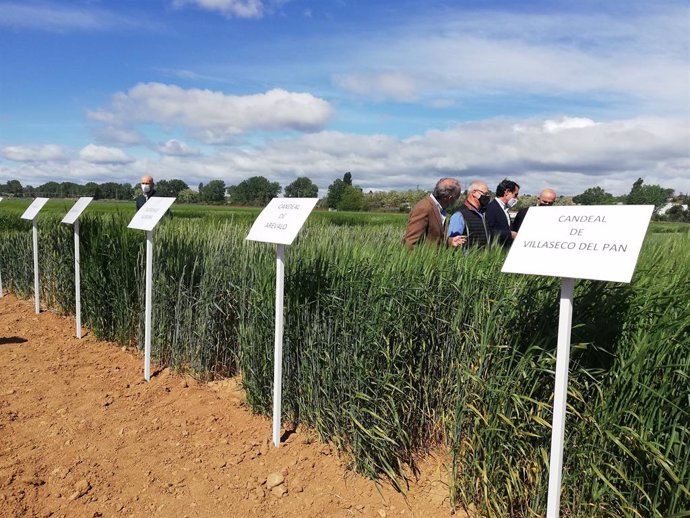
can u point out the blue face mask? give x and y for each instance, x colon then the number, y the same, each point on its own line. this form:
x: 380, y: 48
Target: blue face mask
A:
x: 511, y: 203
x: 146, y: 188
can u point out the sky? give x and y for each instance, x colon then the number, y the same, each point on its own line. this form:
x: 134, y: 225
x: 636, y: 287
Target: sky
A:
x: 400, y: 93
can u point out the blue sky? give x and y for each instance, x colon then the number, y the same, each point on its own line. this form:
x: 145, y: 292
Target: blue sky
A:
x: 561, y: 94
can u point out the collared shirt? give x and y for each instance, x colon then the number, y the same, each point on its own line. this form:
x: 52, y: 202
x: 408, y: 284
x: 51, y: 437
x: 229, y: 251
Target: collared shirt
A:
x: 441, y: 210
x: 505, y: 209
x: 456, y: 226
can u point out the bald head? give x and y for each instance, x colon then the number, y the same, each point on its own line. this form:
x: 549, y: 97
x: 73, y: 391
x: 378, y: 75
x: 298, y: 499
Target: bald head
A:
x: 546, y: 197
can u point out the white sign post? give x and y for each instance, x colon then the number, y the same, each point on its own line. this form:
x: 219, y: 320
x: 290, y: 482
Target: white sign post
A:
x: 279, y: 223
x: 72, y: 218
x: 146, y: 218
x: 583, y: 242
x: 30, y: 213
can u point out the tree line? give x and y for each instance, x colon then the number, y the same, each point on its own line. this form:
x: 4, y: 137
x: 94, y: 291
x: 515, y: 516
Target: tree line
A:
x: 641, y: 194
x: 256, y: 191
x: 342, y: 194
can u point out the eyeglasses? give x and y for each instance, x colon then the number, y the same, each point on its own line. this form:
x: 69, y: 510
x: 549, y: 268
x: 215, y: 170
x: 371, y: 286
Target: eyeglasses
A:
x: 481, y: 192
x: 547, y: 203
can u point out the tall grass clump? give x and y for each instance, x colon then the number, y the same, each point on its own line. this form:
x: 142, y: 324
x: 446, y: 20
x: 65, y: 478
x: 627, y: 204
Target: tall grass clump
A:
x: 200, y: 273
x: 388, y: 354
x: 627, y: 435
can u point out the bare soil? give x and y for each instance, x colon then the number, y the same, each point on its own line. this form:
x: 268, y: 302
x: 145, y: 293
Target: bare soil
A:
x: 82, y: 434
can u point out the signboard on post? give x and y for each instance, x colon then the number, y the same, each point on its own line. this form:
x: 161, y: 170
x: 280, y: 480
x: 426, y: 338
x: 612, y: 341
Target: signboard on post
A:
x: 32, y: 210
x: 30, y: 213
x: 581, y: 242
x: 279, y: 223
x: 281, y: 220
x: 146, y: 218
x: 72, y: 218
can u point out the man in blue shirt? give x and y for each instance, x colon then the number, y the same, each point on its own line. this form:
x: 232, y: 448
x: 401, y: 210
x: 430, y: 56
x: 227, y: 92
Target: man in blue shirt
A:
x: 468, y: 226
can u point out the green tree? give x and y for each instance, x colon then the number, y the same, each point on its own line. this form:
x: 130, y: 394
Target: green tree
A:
x: 14, y: 187
x: 93, y: 189
x: 171, y: 188
x: 49, y: 189
x: 256, y: 191
x: 352, y: 199
x: 213, y: 192
x: 337, y: 190
x: 109, y: 190
x: 648, y: 195
x: 594, y: 196
x: 303, y: 187
x: 335, y: 193
x: 125, y: 191
x: 188, y: 196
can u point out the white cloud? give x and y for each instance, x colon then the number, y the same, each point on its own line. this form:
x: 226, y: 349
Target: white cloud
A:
x: 398, y: 86
x: 116, y: 135
x: 582, y: 153
x: 230, y: 8
x: 103, y: 155
x: 565, y: 123
x: 59, y: 18
x: 214, y: 116
x: 176, y: 148
x: 632, y: 58
x: 46, y: 153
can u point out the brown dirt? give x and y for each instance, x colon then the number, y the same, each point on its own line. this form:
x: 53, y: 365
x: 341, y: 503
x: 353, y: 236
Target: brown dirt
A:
x: 82, y: 434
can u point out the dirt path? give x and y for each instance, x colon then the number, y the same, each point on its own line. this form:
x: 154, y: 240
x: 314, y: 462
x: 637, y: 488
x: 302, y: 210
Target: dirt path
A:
x: 81, y: 434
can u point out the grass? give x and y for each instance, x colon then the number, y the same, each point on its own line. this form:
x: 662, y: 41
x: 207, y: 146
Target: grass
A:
x: 388, y: 354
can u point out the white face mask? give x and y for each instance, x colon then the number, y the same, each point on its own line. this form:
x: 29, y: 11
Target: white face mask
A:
x: 511, y: 203
x: 146, y: 188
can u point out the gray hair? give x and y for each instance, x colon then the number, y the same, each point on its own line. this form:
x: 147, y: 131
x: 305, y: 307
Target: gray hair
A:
x: 446, y: 188
x: 477, y: 185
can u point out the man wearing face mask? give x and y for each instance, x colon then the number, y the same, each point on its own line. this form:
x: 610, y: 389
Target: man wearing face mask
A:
x: 546, y: 198
x: 497, y: 217
x: 468, y: 224
x: 148, y: 190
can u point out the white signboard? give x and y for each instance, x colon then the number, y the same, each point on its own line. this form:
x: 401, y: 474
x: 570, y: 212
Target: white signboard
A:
x: 148, y: 216
x: 32, y: 211
x: 599, y: 242
x: 281, y: 220
x: 76, y: 210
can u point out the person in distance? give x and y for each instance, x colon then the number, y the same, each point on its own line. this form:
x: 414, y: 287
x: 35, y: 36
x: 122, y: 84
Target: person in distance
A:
x: 148, y: 190
x: 426, y: 223
x: 546, y: 198
x: 468, y: 224
x: 497, y: 217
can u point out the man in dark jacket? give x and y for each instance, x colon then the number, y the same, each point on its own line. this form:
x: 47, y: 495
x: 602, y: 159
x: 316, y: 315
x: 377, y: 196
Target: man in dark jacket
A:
x: 148, y: 190
x: 497, y: 217
x: 468, y: 225
x: 546, y: 198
